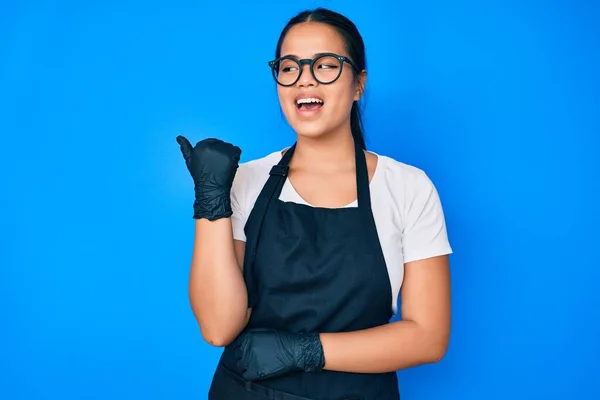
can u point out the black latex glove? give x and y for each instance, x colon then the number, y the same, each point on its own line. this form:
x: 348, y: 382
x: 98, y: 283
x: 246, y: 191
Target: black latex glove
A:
x: 266, y: 354
x: 212, y: 164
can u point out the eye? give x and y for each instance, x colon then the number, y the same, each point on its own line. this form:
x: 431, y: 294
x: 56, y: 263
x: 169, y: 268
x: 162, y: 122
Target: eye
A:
x: 287, y: 66
x: 327, y: 63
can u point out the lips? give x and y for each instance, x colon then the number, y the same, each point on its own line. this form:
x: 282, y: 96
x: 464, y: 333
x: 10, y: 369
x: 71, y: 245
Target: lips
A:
x: 308, y: 102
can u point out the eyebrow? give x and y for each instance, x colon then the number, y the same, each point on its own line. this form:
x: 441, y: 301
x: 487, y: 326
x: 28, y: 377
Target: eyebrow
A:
x: 314, y: 55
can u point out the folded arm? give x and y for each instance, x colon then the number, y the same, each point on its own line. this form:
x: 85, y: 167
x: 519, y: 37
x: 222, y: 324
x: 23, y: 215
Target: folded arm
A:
x: 420, y: 338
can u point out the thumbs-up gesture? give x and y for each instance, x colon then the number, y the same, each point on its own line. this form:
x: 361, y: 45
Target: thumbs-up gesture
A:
x: 212, y: 163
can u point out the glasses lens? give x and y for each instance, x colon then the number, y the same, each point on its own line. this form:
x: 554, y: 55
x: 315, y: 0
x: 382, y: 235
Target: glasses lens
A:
x: 286, y: 71
x: 327, y: 69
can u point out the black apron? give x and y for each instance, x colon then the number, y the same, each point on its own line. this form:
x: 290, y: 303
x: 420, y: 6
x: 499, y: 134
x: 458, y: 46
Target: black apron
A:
x: 312, y: 269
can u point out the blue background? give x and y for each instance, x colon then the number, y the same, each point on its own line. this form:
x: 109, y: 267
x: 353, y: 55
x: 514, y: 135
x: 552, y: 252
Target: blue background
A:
x: 499, y: 104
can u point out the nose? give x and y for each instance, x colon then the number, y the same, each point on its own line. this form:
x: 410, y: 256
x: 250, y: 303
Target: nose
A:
x: 306, y: 78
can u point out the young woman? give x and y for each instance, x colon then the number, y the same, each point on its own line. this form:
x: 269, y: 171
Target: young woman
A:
x: 299, y: 256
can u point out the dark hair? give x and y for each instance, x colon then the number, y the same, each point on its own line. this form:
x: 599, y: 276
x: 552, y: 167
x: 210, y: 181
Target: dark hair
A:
x: 354, y: 46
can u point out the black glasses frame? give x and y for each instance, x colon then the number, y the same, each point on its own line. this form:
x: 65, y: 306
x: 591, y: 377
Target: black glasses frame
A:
x: 311, y: 63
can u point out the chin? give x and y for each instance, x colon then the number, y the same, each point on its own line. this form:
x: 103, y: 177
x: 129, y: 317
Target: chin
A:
x: 311, y: 131
x: 318, y: 130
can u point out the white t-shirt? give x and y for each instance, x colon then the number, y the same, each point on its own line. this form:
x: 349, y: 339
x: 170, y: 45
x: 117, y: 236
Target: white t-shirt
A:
x: 406, y: 207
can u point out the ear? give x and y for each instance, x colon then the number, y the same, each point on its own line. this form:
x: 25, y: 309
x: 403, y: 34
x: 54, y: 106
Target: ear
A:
x: 361, y: 80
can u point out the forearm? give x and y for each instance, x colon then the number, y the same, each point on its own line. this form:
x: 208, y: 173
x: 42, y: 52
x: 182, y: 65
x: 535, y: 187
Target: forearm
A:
x: 216, y: 287
x: 386, y: 348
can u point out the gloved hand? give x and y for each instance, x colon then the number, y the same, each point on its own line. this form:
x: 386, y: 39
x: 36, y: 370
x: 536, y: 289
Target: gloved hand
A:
x: 266, y: 353
x: 212, y: 164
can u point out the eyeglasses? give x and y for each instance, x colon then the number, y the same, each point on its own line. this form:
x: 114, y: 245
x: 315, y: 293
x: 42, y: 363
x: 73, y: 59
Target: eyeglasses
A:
x: 326, y: 68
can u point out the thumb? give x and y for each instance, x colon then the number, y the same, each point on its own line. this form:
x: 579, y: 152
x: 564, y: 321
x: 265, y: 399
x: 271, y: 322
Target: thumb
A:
x: 185, y: 146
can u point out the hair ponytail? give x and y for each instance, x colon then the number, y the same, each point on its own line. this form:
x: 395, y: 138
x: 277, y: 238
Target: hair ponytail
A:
x: 356, y: 126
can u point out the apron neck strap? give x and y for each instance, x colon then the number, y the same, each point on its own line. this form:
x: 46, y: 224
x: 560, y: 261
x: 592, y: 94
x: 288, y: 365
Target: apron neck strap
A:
x: 362, y: 178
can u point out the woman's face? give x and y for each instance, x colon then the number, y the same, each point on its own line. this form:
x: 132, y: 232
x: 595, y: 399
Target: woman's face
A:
x: 332, y: 113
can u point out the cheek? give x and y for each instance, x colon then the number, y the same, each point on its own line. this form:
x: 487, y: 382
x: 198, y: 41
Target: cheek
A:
x: 345, y: 88
x: 285, y: 98
x: 342, y: 97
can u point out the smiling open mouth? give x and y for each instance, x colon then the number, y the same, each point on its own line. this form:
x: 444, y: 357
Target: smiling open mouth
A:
x: 309, y: 104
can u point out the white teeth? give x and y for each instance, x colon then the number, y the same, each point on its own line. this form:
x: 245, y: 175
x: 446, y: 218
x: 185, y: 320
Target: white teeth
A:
x: 309, y: 100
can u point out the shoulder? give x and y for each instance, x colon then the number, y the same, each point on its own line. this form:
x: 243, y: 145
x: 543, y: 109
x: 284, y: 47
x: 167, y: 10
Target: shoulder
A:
x: 256, y: 167
x: 411, y: 203
x: 248, y: 181
x: 400, y: 178
x: 251, y: 175
x: 406, y: 194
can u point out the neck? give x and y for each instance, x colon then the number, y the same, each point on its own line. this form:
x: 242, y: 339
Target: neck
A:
x: 328, y: 153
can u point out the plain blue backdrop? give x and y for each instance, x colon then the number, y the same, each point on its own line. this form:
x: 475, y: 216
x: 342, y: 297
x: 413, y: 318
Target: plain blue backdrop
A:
x: 499, y: 103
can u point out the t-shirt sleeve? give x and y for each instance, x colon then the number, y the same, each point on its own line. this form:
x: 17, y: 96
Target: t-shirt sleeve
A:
x: 238, y: 204
x: 425, y: 233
